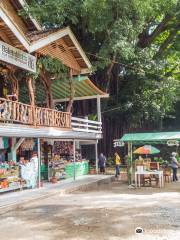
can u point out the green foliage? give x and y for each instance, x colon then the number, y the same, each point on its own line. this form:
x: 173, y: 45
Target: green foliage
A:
x: 143, y: 82
x: 92, y: 117
x: 56, y: 68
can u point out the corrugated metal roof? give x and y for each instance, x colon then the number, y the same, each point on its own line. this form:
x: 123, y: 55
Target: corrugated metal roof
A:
x: 84, y: 89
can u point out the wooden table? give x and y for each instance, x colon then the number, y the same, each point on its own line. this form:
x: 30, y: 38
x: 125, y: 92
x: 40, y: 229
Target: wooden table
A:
x: 138, y: 177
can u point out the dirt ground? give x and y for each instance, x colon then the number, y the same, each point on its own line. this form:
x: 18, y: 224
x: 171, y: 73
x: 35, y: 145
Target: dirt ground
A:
x: 107, y: 212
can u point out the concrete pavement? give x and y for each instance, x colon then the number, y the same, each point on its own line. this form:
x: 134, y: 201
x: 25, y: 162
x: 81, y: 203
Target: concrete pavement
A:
x: 16, y: 199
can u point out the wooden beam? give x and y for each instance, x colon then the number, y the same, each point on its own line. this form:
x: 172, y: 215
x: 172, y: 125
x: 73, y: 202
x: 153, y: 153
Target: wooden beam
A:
x: 18, y: 46
x: 80, y: 98
x: 2, y: 24
x: 16, y: 31
x: 17, y: 144
x: 48, y: 40
x: 4, y: 37
x: 80, y: 50
x: 33, y: 20
x: 72, y: 47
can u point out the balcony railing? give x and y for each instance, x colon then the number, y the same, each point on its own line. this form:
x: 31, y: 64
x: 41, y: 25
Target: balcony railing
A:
x: 86, y: 125
x: 16, y: 112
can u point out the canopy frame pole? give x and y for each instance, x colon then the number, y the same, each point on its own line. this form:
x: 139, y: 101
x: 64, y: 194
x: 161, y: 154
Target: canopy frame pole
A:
x: 39, y: 162
x: 130, y: 177
x: 74, y: 159
x: 131, y: 162
x: 15, y: 146
x: 96, y: 155
x: 99, y: 109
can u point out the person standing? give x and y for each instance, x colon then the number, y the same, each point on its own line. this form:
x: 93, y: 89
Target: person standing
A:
x: 34, y: 165
x: 175, y: 165
x: 117, y: 164
x: 102, y: 163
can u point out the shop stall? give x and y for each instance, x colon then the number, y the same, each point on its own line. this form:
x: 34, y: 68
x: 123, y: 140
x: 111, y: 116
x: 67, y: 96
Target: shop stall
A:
x: 59, y: 160
x: 25, y: 125
x: 16, y: 169
x: 169, y: 139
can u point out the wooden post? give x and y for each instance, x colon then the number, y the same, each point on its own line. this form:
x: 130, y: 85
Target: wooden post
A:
x: 29, y: 80
x: 15, y: 83
x: 99, y: 108
x: 96, y: 154
x: 72, y: 92
x: 47, y: 82
x: 15, y: 146
x: 13, y: 150
x: 74, y: 159
x: 39, y: 162
x: 31, y: 90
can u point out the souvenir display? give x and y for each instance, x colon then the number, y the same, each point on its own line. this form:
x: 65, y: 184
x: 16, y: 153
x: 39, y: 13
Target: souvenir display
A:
x: 57, y: 161
x: 9, y: 176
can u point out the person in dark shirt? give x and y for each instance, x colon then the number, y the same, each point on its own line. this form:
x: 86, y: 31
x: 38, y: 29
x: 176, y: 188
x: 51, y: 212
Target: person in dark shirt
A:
x: 175, y: 165
x: 102, y: 163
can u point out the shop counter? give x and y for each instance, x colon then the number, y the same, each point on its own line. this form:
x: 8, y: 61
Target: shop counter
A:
x: 81, y: 168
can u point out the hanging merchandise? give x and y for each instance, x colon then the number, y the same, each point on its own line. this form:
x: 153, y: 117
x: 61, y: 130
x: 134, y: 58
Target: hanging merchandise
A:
x: 6, y: 142
x: 63, y: 148
x: 28, y: 144
x: 10, y: 142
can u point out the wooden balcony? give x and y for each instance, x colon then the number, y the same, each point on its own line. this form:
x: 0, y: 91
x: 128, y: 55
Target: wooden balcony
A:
x: 86, y: 125
x: 20, y: 113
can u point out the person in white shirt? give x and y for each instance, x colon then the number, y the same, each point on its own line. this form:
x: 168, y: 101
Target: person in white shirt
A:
x: 34, y: 169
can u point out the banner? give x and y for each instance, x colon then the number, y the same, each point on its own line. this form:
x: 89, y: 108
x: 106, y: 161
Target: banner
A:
x: 17, y: 57
x: 118, y: 143
x: 173, y: 143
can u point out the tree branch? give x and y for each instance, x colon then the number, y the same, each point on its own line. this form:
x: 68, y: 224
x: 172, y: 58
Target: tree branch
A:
x: 167, y: 41
x: 111, y: 65
x: 146, y: 39
x: 47, y: 84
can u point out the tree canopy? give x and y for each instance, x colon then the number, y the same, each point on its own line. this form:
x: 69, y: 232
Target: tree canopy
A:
x: 134, y: 46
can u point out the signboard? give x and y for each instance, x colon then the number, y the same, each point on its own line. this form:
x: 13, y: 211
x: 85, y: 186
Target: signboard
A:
x: 118, y: 143
x: 173, y: 143
x: 17, y: 57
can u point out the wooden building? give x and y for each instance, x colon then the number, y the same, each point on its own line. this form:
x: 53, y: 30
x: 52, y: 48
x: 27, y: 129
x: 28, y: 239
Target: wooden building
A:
x: 22, y: 43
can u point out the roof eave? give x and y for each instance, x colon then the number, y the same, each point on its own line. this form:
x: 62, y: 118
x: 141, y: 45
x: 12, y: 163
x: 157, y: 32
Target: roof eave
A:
x: 57, y: 35
x: 33, y: 20
x: 81, y: 98
x: 16, y: 31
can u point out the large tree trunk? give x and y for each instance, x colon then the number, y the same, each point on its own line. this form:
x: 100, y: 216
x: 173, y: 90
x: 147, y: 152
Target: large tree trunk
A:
x: 15, y: 83
x: 72, y: 92
x: 47, y: 85
x: 31, y: 90
x: 109, y: 73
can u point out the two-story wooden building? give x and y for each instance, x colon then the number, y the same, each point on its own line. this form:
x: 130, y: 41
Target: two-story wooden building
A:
x: 26, y: 126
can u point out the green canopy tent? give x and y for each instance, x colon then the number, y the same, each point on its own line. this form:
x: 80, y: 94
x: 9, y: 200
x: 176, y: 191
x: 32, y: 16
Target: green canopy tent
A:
x: 170, y: 138
x: 151, y: 138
